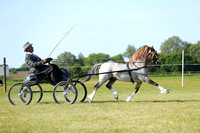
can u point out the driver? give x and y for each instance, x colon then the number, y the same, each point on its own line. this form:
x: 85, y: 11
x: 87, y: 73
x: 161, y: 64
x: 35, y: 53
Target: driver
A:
x: 39, y: 66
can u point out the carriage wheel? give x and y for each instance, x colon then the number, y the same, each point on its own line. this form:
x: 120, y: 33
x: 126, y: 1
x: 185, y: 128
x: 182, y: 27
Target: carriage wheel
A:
x: 37, y: 93
x: 82, y: 90
x: 20, y: 94
x: 65, y: 92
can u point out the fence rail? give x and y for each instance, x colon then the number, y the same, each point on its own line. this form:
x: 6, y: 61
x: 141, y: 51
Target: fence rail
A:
x: 152, y: 69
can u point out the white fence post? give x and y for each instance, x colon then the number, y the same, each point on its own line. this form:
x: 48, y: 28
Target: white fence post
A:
x: 182, y: 66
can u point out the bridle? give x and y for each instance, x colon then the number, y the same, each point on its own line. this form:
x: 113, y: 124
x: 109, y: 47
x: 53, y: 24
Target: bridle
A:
x: 154, y: 58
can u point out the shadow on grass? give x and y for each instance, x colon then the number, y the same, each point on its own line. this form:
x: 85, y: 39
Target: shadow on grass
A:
x: 110, y: 101
x: 146, y: 101
x: 46, y: 102
x: 123, y: 101
x: 167, y: 101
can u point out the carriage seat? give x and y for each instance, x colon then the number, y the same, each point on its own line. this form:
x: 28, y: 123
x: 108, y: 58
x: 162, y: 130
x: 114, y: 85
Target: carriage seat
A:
x: 45, y: 78
x: 38, y: 78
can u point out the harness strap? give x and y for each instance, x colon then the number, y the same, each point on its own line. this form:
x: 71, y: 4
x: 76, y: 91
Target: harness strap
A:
x: 84, y: 75
x: 129, y: 72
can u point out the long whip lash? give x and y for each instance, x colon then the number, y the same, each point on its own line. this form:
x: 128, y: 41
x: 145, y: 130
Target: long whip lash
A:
x: 61, y: 39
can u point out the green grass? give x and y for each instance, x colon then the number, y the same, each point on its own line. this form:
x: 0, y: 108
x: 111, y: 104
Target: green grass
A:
x: 149, y: 111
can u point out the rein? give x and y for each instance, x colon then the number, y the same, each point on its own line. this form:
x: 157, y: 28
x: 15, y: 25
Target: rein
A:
x: 127, y: 70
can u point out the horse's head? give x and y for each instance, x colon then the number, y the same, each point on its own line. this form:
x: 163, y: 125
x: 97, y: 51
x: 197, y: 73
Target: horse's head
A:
x: 146, y: 54
x: 152, y: 56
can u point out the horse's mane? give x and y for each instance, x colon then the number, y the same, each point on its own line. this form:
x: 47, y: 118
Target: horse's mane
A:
x: 140, y: 53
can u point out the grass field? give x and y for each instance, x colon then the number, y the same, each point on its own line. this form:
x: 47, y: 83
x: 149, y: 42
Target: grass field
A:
x: 149, y: 111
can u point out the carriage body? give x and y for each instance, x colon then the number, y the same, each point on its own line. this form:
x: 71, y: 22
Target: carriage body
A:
x: 30, y: 79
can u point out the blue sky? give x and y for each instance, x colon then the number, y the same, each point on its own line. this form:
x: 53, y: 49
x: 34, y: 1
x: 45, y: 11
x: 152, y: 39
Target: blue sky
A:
x: 103, y: 26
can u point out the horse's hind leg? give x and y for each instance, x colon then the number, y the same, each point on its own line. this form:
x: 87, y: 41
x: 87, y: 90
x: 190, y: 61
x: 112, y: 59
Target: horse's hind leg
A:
x: 91, y: 96
x: 98, y: 85
x: 109, y: 86
x: 137, y: 87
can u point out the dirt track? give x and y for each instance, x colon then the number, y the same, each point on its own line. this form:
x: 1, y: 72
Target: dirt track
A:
x: 19, y: 74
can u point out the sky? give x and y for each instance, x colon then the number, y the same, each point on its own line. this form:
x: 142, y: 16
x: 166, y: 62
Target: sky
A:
x: 102, y: 26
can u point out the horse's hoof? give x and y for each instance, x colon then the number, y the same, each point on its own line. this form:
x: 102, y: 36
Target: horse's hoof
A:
x: 116, y: 97
x: 164, y: 92
x: 128, y: 98
x: 90, y: 99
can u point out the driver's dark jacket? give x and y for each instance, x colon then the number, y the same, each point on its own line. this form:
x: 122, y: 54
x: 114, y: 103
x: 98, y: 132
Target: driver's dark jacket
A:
x: 34, y: 62
x: 37, y: 66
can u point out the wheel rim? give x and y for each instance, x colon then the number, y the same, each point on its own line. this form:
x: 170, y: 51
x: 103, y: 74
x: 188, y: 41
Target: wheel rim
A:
x: 82, y: 90
x: 65, y: 92
x: 20, y: 94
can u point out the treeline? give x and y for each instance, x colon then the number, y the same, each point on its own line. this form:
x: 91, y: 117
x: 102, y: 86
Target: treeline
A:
x: 172, y: 63
x: 171, y: 54
x: 169, y: 63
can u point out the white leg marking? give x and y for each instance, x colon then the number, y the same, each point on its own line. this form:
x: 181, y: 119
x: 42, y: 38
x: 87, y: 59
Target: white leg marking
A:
x: 128, y: 98
x: 115, y: 93
x: 91, y: 96
x: 163, y: 90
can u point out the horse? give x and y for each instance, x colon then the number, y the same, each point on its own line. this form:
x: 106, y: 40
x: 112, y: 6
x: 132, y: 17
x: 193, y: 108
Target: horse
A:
x: 134, y: 71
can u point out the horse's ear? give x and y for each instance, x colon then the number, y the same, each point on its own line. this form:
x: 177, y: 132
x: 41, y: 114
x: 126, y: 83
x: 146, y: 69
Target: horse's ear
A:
x: 152, y: 46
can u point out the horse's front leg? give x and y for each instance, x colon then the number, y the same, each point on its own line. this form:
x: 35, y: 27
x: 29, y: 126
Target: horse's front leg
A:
x: 162, y: 90
x: 137, y: 87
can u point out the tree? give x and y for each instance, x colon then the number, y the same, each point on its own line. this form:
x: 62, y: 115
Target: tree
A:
x: 81, y: 59
x: 23, y: 65
x: 65, y: 59
x: 176, y: 58
x: 186, y: 47
x: 23, y: 68
x: 13, y: 70
x: 129, y: 51
x: 162, y: 57
x: 96, y: 58
x: 195, y: 50
x: 173, y: 45
x: 118, y: 58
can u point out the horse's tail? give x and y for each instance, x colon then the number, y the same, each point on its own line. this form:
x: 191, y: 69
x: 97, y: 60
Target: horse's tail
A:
x: 92, y: 72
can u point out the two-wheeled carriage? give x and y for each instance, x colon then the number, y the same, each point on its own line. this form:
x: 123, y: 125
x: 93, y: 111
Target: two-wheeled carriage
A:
x: 64, y: 92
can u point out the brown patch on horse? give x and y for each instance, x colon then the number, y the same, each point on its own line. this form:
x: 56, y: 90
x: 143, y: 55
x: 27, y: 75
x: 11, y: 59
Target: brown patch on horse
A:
x: 153, y: 83
x: 141, y: 53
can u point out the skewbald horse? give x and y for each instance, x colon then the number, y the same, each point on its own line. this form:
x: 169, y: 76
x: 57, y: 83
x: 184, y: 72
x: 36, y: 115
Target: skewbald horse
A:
x: 138, y: 72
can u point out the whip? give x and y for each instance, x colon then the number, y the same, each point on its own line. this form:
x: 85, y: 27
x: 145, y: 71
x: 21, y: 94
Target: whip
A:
x: 62, y: 39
